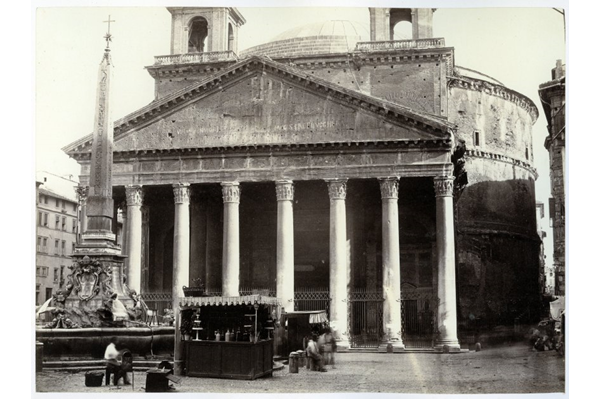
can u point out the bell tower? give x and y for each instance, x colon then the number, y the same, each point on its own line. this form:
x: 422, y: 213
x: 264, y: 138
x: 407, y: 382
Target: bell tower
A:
x: 383, y: 21
x: 204, y: 29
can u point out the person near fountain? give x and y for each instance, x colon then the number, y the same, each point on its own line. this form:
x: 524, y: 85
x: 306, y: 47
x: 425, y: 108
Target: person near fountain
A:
x: 119, y: 312
x: 114, y: 363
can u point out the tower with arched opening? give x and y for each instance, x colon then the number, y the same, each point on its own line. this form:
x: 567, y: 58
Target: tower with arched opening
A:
x: 204, y: 29
x: 383, y: 21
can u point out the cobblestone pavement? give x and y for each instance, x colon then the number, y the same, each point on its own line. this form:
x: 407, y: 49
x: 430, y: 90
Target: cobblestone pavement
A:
x: 508, y: 369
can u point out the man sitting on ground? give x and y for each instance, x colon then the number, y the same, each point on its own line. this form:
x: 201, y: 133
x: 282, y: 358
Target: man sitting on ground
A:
x: 312, y: 350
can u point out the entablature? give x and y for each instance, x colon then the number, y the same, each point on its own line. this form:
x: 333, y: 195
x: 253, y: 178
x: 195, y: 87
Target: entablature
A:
x: 263, y: 163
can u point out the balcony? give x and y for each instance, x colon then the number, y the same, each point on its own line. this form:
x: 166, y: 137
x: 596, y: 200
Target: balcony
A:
x: 195, y: 58
x: 431, y: 43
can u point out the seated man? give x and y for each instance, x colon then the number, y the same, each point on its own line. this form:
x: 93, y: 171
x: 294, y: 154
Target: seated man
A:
x: 312, y: 350
x: 118, y: 309
x: 114, y: 364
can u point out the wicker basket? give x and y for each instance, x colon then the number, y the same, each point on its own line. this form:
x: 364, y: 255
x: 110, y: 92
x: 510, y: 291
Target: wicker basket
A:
x: 94, y: 378
x: 193, y: 291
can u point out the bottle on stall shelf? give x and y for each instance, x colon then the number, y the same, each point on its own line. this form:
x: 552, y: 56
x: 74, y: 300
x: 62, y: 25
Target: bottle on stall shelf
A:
x: 227, y: 336
x: 238, y: 335
x: 217, y: 336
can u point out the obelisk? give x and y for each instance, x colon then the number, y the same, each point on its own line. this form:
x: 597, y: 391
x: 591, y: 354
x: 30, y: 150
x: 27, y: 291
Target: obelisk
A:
x: 98, y: 263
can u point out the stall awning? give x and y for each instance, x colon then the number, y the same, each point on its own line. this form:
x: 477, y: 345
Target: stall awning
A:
x: 227, y: 301
x: 317, y: 317
x: 314, y: 317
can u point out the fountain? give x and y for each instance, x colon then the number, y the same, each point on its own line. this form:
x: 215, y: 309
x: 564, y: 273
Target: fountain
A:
x: 97, y: 305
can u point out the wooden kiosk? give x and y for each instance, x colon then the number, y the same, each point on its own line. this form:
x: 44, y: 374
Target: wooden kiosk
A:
x: 232, y: 336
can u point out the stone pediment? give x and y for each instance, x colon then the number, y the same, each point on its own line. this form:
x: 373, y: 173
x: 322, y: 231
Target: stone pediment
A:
x: 259, y: 102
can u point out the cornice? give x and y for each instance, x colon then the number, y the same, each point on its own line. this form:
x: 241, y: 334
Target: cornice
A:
x: 556, y: 83
x: 502, y: 158
x: 431, y: 144
x: 493, y: 89
x: 474, y: 230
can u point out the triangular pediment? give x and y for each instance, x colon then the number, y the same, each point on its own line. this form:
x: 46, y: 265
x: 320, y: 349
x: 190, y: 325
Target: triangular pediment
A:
x: 258, y: 102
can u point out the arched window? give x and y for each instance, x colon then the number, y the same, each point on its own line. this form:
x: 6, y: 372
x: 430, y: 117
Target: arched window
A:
x: 401, y: 24
x: 197, y: 33
x: 230, y: 37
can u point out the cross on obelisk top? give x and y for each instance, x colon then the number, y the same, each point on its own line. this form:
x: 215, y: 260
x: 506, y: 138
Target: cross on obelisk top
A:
x: 108, y: 36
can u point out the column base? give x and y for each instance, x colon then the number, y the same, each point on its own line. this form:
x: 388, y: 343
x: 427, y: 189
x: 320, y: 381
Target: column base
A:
x: 342, y: 344
x: 391, y: 347
x: 447, y: 347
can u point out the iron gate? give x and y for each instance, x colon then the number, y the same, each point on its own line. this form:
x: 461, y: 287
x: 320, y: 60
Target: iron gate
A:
x: 365, y: 310
x: 158, y: 304
x: 419, y: 318
x: 312, y: 299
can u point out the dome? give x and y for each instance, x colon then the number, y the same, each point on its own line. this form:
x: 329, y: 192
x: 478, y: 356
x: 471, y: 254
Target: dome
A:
x: 337, y: 36
x: 471, y: 73
x: 326, y: 28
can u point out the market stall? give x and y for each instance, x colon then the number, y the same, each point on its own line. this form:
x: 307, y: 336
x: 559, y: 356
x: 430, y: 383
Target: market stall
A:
x: 229, y: 337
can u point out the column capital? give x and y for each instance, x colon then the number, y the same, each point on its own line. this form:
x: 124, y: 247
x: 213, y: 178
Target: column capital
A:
x: 181, y: 191
x: 134, y: 195
x: 337, y: 188
x: 389, y: 187
x: 231, y: 192
x: 284, y: 190
x: 443, y: 185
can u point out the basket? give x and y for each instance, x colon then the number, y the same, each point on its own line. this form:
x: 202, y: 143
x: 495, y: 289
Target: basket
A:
x: 94, y: 378
x: 193, y: 291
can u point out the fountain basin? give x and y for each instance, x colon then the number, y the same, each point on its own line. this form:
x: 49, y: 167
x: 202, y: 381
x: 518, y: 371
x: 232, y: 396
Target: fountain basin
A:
x: 78, y: 343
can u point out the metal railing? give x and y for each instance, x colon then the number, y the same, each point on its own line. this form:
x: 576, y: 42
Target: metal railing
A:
x: 312, y: 299
x: 193, y: 58
x: 245, y: 291
x: 158, y: 302
x: 401, y: 44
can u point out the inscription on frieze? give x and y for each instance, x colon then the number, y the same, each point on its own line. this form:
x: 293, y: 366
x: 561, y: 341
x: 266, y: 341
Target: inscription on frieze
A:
x: 190, y: 165
x: 170, y: 165
x: 384, y: 158
x: 350, y: 159
x: 280, y: 161
x: 234, y: 163
x: 260, y: 162
x: 211, y: 163
x: 318, y: 161
x: 148, y: 166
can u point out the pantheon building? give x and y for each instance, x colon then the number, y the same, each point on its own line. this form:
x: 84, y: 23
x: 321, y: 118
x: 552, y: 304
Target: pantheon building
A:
x: 337, y: 169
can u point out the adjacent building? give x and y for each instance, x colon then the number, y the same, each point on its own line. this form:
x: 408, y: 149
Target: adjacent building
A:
x: 57, y: 230
x: 546, y: 268
x: 553, y: 98
x: 334, y: 160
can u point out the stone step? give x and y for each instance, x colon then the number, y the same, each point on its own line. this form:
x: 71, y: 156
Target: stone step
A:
x: 89, y: 365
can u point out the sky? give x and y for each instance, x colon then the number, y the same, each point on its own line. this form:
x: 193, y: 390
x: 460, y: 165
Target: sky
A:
x: 517, y: 46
